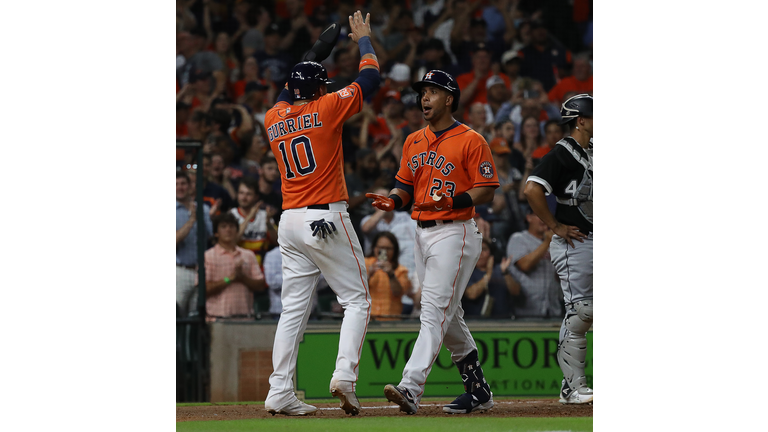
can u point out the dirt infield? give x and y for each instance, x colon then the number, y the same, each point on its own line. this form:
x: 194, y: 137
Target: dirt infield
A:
x: 510, y: 408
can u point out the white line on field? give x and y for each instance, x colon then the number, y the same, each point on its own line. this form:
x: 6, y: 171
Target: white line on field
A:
x: 427, y: 405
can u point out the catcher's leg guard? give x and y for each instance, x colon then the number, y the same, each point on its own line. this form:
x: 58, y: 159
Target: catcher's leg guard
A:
x: 572, y: 349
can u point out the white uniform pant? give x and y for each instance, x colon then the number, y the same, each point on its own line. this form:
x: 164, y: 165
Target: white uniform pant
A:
x: 445, y: 256
x: 340, y: 259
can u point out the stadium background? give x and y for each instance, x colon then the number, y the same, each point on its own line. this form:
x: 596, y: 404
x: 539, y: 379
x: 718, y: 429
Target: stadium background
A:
x: 232, y: 59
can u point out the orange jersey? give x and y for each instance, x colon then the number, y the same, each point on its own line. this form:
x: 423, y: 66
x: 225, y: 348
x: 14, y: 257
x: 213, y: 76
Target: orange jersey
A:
x: 306, y: 141
x: 459, y: 160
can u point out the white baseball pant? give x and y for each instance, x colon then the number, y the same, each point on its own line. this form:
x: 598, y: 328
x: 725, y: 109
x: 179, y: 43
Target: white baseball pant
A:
x: 340, y: 259
x: 445, y: 255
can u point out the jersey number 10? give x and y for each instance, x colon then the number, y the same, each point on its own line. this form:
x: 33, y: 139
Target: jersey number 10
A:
x: 302, y: 170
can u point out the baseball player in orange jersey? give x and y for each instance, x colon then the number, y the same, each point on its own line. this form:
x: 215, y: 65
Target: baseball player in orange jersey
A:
x: 315, y: 233
x: 447, y: 168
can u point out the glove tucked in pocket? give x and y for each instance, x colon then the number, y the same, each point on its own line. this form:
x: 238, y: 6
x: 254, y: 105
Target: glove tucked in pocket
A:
x: 322, y: 227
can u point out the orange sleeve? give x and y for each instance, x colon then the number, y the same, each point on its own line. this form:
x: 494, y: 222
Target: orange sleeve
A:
x: 482, y: 171
x: 405, y: 175
x: 343, y: 103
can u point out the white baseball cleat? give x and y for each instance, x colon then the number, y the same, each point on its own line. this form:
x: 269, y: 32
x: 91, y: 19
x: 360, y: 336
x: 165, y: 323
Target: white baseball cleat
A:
x: 295, y: 408
x: 578, y: 396
x: 345, y: 391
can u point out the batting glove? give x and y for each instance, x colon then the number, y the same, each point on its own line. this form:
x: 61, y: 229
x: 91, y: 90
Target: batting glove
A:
x: 322, y: 227
x: 439, y: 202
x: 381, y: 202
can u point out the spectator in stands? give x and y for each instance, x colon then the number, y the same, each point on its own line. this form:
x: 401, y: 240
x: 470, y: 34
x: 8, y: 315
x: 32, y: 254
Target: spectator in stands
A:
x: 346, y: 69
x: 395, y: 41
x: 366, y: 178
x: 250, y: 74
x: 433, y: 56
x: 473, y: 84
x: 256, y: 226
x: 467, y: 34
x: 296, y: 28
x: 220, y: 174
x: 186, y: 241
x: 215, y: 195
x: 579, y: 82
x: 273, y: 276
x: 542, y: 58
x: 380, y: 221
x: 182, y: 117
x: 540, y: 294
x: 509, y: 180
x: 497, y: 95
x: 256, y: 100
x: 553, y: 132
x: 253, y: 151
x: 269, y: 185
x: 530, y: 137
x: 490, y: 289
x: 205, y: 63
x: 274, y: 62
x: 398, y: 79
x: 199, y: 126
x: 387, y: 279
x: 510, y: 65
x: 478, y: 120
x: 197, y: 92
x: 413, y: 117
x: 257, y: 20
x: 232, y: 274
x: 222, y: 46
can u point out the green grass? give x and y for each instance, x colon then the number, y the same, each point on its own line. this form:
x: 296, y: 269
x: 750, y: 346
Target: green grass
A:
x: 390, y: 424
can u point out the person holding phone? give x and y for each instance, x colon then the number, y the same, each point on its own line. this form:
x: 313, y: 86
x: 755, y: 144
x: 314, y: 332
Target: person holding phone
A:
x: 387, y: 279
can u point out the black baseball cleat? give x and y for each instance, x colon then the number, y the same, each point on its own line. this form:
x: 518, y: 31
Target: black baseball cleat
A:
x: 466, y: 403
x: 402, y: 397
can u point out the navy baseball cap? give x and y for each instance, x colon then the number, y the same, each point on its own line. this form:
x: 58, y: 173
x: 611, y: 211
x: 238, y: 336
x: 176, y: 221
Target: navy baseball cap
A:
x: 440, y: 79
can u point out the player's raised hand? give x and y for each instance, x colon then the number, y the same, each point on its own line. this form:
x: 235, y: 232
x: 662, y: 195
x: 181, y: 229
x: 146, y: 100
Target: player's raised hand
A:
x: 438, y: 202
x: 381, y: 202
x: 569, y: 232
x: 359, y: 27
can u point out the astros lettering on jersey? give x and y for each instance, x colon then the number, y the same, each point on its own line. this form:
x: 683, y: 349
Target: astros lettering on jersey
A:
x: 311, y: 166
x: 459, y: 160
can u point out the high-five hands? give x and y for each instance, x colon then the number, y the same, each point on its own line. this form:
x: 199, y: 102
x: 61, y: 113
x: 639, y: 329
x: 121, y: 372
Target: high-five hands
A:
x: 381, y: 202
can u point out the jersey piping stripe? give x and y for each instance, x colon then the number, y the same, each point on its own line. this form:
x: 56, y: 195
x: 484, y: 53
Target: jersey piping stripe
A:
x: 453, y: 293
x: 368, y: 314
x: 568, y: 273
x: 486, y: 183
x: 540, y: 181
x: 403, y: 180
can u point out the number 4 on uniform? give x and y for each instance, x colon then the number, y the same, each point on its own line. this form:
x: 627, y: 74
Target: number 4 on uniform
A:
x: 571, y: 188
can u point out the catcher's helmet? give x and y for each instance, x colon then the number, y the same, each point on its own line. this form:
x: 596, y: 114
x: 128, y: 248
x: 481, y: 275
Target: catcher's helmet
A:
x: 576, y: 106
x: 305, y: 79
x: 440, y: 79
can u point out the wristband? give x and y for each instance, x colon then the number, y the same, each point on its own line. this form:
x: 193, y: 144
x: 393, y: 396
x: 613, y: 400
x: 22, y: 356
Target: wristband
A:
x: 227, y: 280
x: 367, y: 62
x: 364, y: 43
x: 462, y: 201
x: 398, y: 201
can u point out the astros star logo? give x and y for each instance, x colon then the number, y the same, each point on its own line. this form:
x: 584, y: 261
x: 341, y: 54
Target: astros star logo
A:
x: 428, y: 75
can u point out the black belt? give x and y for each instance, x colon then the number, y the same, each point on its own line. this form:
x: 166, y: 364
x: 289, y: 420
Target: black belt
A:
x: 431, y: 223
x: 319, y: 207
x: 191, y: 267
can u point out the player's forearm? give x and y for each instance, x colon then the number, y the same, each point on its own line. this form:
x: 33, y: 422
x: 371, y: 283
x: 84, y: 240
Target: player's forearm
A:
x: 404, y: 196
x: 534, y: 193
x: 241, y: 230
x: 481, y: 195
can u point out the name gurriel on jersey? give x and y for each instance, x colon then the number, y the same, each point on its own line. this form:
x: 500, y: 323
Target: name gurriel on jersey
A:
x: 284, y: 127
x: 419, y: 160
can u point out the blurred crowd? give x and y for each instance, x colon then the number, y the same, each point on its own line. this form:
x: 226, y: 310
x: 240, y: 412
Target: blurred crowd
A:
x: 515, y: 63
